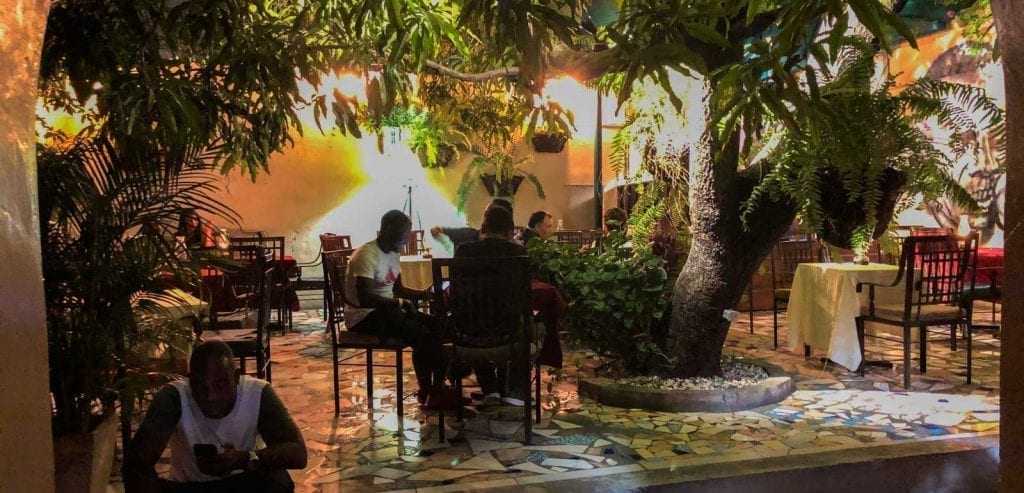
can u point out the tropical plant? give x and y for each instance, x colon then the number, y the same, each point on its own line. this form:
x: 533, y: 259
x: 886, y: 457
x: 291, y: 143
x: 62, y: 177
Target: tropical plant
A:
x: 436, y: 141
x: 108, y: 253
x: 500, y: 165
x: 614, y: 294
x: 859, y: 148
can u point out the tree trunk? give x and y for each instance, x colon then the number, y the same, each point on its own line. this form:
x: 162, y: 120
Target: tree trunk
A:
x: 723, y: 255
x: 1010, y: 31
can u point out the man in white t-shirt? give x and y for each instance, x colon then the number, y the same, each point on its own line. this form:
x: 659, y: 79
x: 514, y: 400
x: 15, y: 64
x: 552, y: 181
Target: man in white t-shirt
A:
x: 228, y: 433
x: 382, y: 306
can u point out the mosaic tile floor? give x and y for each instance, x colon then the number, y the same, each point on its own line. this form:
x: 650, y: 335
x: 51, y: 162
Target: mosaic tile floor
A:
x: 832, y: 409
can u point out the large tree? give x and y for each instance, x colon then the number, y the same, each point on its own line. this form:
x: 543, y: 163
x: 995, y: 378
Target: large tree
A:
x: 744, y: 55
x: 220, y: 76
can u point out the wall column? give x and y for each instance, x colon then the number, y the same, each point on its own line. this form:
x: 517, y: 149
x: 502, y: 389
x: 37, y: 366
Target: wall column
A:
x: 26, y: 463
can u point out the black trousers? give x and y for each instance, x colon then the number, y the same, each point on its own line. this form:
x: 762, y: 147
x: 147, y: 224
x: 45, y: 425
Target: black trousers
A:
x: 418, y: 330
x: 270, y: 481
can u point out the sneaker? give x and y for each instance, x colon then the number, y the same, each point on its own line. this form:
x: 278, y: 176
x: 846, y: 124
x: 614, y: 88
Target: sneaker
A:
x: 492, y: 399
x: 512, y: 399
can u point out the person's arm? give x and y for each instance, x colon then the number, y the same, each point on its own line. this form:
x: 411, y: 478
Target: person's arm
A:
x: 401, y: 291
x: 285, y: 448
x: 149, y: 442
x: 369, y: 299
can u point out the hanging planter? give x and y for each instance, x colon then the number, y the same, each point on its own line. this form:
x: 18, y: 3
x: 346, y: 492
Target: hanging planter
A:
x: 506, y: 188
x: 552, y: 142
x: 842, y: 218
x: 445, y: 155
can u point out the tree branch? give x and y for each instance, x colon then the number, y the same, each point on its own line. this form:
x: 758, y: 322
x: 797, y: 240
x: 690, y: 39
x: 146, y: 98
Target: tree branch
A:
x: 477, y: 77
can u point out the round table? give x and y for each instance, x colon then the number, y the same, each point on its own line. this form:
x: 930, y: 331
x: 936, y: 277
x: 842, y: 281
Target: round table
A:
x: 416, y: 272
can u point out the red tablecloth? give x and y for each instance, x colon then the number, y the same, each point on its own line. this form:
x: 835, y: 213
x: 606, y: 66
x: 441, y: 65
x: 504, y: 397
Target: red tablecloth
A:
x: 989, y: 267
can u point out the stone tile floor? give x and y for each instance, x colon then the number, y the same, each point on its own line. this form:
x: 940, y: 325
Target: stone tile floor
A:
x: 832, y: 409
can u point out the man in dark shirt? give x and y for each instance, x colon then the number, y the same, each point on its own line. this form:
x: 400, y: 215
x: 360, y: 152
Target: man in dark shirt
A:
x: 461, y: 235
x: 496, y: 241
x: 212, y: 422
x: 541, y: 225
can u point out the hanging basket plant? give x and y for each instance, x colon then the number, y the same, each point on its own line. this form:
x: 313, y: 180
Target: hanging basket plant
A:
x: 843, y: 220
x: 507, y: 188
x: 444, y: 156
x: 550, y: 142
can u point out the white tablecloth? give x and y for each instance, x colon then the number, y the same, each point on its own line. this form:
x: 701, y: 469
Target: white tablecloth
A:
x: 416, y: 272
x: 824, y: 305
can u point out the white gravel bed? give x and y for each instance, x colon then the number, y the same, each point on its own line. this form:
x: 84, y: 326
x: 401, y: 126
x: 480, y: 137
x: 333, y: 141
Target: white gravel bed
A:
x: 736, y: 374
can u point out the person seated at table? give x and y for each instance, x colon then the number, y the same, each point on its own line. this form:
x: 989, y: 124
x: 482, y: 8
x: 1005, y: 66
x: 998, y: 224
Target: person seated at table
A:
x: 615, y: 220
x: 466, y: 234
x: 496, y: 241
x: 194, y: 230
x: 377, y: 303
x: 212, y: 421
x: 541, y: 225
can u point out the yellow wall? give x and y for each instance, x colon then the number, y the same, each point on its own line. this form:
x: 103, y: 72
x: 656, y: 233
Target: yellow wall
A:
x: 335, y: 183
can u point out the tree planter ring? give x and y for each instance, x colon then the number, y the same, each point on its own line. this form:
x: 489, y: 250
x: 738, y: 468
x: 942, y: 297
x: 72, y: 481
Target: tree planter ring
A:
x: 551, y: 142
x: 769, y: 391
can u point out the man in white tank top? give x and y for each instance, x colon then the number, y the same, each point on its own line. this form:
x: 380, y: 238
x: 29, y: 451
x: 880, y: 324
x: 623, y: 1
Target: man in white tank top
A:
x: 215, y: 423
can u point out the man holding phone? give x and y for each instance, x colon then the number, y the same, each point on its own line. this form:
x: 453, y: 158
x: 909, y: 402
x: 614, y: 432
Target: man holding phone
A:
x: 212, y: 423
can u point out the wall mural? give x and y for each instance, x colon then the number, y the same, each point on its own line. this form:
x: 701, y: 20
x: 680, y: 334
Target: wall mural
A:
x: 978, y: 166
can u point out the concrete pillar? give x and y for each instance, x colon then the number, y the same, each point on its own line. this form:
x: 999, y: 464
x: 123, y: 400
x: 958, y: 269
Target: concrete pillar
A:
x: 1010, y: 29
x: 26, y: 463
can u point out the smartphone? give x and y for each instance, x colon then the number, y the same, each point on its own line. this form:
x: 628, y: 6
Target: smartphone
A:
x: 204, y: 450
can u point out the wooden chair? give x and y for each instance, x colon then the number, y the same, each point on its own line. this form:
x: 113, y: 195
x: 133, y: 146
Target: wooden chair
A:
x: 572, y: 237
x: 934, y: 269
x: 249, y: 338
x: 487, y: 310
x: 282, y: 292
x: 335, y: 267
x: 785, y: 256
x: 990, y: 291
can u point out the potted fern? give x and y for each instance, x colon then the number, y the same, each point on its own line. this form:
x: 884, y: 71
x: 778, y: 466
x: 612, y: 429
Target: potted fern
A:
x: 498, y: 166
x: 555, y: 130
x: 434, y: 140
x: 860, y: 157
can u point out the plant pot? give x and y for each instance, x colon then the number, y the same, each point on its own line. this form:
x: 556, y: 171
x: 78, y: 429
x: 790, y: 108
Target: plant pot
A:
x: 552, y: 142
x: 842, y: 217
x: 445, y: 155
x: 82, y: 462
x: 504, y: 189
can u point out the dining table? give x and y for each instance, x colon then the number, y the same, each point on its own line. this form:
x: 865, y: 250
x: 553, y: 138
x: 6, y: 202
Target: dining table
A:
x: 824, y: 305
x: 416, y: 271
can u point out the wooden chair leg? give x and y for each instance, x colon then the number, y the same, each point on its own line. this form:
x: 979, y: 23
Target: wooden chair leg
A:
x: 750, y: 304
x: 334, y: 364
x: 369, y: 379
x: 399, y: 379
x: 860, y: 341
x: 440, y: 426
x: 527, y: 407
x: 458, y: 398
x: 775, y: 323
x: 536, y: 403
x: 970, y: 337
x: 906, y: 356
x: 923, y: 342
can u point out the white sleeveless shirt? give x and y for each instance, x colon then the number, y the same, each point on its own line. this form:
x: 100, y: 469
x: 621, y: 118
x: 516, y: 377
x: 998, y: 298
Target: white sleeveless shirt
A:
x: 238, y: 428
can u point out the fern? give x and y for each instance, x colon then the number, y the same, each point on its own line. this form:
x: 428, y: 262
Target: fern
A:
x: 851, y: 135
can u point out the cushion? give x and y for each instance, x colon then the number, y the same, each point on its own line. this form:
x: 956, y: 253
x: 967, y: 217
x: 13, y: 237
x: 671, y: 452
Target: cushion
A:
x: 348, y: 339
x: 474, y: 355
x: 928, y: 313
x: 782, y: 294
